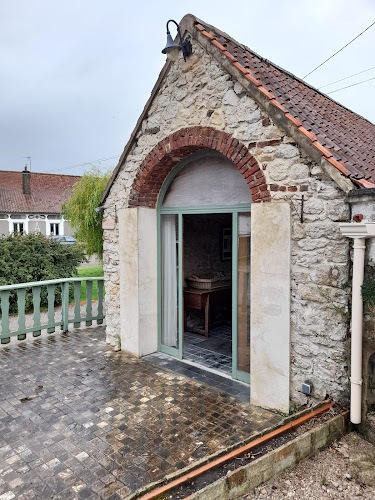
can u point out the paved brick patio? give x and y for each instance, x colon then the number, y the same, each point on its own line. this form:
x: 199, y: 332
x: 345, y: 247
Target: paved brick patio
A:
x: 78, y: 420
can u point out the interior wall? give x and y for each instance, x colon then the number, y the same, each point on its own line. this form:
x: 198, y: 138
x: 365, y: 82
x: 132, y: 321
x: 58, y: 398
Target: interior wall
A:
x: 203, y: 244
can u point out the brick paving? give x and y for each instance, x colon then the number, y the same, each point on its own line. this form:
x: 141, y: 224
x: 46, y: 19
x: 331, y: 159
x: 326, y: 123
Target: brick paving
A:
x: 78, y: 420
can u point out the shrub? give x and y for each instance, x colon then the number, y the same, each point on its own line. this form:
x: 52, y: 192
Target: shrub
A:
x: 33, y: 257
x: 80, y: 210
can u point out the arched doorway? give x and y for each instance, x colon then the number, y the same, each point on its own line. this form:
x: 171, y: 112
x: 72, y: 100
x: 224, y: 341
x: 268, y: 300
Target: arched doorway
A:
x: 140, y: 259
x: 203, y: 216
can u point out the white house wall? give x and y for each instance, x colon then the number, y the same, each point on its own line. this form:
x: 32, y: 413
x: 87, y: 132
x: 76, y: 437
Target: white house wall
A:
x: 200, y: 92
x: 4, y: 227
x: 34, y: 223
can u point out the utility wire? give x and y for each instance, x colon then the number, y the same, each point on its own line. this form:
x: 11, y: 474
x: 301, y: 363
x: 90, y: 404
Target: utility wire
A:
x: 346, y: 78
x: 354, y: 84
x: 81, y: 164
x: 342, y: 48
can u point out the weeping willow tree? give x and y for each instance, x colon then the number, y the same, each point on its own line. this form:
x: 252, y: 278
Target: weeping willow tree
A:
x: 80, y: 210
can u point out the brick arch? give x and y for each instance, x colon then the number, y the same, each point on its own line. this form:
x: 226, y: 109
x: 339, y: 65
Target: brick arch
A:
x: 171, y: 150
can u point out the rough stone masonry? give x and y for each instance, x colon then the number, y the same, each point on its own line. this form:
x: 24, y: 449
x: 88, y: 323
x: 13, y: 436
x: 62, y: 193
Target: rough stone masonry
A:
x: 199, y: 92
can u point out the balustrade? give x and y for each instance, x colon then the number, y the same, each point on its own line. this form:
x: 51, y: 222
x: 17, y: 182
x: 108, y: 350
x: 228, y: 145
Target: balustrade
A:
x: 23, y: 290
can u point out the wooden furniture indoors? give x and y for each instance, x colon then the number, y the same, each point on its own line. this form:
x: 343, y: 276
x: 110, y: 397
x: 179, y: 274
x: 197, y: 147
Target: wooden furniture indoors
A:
x: 205, y: 300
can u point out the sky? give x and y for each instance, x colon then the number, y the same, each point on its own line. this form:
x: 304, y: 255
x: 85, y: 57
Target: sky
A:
x: 76, y: 74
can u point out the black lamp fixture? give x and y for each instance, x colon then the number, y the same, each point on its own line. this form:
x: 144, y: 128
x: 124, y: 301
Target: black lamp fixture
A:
x: 172, y: 49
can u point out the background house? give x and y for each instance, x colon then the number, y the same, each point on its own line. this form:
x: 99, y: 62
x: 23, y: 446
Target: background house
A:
x: 31, y: 202
x: 228, y: 132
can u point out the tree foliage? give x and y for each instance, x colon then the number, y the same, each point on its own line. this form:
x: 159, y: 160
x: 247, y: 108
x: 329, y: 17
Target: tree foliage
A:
x: 33, y: 257
x: 80, y: 210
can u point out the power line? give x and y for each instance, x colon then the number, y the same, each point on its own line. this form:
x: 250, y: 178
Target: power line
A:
x: 353, y: 85
x: 342, y: 48
x: 346, y: 78
x: 69, y: 167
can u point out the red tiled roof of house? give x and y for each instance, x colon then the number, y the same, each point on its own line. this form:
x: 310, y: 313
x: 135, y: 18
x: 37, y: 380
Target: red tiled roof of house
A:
x: 48, y: 192
x: 344, y: 138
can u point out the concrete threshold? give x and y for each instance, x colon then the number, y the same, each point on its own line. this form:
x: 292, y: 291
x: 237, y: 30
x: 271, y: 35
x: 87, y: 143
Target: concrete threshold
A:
x: 243, y: 479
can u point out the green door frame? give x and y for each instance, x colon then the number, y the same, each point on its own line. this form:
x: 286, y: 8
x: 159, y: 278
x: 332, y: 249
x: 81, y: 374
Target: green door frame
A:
x: 180, y: 212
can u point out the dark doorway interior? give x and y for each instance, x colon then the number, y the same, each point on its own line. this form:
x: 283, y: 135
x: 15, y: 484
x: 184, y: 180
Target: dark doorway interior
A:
x: 208, y: 293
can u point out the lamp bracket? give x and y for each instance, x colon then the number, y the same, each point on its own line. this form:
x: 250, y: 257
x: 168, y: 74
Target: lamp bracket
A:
x: 298, y: 212
x: 185, y: 46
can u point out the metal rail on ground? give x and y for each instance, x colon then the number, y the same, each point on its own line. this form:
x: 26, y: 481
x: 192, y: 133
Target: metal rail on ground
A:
x: 159, y: 491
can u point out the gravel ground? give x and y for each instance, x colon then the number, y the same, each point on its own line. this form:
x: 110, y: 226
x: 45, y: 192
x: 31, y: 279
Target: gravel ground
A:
x: 339, y: 472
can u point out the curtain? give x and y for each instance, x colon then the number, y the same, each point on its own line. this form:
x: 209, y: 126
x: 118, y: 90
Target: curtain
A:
x: 169, y: 280
x: 208, y: 181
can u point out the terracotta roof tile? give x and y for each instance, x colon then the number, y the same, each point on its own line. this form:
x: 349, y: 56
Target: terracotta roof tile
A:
x: 334, y: 130
x: 48, y: 192
x: 348, y: 137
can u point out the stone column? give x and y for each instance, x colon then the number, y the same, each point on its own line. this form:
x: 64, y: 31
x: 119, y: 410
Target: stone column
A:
x: 270, y: 305
x: 138, y: 280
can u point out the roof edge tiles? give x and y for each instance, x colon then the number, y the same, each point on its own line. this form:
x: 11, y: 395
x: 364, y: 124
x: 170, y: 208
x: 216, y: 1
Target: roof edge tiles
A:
x: 326, y: 153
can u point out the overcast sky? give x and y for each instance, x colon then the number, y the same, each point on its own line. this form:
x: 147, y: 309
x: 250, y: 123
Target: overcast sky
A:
x: 75, y: 74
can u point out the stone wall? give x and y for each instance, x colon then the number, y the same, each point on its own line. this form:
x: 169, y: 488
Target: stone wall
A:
x: 363, y: 202
x: 368, y: 401
x: 200, y: 92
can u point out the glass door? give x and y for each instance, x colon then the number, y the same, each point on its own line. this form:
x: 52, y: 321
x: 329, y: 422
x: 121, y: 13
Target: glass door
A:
x: 170, y: 284
x: 241, y: 296
x: 170, y: 293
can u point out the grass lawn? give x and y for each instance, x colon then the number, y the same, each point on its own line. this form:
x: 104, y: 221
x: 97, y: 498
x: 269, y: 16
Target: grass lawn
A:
x: 87, y: 272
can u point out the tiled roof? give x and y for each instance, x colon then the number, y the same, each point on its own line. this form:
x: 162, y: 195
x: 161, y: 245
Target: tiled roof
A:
x: 345, y: 139
x: 48, y: 192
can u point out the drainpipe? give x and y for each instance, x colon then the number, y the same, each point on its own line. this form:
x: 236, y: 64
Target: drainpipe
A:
x: 359, y: 231
x: 359, y: 246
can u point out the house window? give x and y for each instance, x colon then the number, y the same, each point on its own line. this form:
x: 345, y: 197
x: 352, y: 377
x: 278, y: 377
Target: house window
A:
x: 54, y: 228
x: 18, y: 227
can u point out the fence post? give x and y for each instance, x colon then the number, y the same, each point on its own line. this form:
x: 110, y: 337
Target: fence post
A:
x: 5, y: 316
x: 36, y: 304
x: 100, y: 302
x: 88, y: 303
x: 65, y: 306
x: 21, y: 301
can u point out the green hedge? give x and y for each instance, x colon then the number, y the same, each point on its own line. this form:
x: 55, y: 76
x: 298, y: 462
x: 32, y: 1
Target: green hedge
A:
x: 33, y: 257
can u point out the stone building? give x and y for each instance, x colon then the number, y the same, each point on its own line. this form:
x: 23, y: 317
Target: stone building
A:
x: 31, y: 202
x: 237, y: 172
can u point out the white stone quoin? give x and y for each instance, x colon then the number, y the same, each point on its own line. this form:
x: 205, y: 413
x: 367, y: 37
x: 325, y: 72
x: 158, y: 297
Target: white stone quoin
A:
x: 138, y: 280
x: 270, y: 305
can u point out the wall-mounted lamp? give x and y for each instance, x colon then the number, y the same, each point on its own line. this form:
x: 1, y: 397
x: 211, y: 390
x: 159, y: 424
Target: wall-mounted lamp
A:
x: 172, y: 49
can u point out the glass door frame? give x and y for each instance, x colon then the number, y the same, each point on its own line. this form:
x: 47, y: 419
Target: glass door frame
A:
x: 180, y: 212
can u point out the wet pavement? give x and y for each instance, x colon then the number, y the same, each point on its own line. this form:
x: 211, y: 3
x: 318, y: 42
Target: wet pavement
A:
x: 78, y: 420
